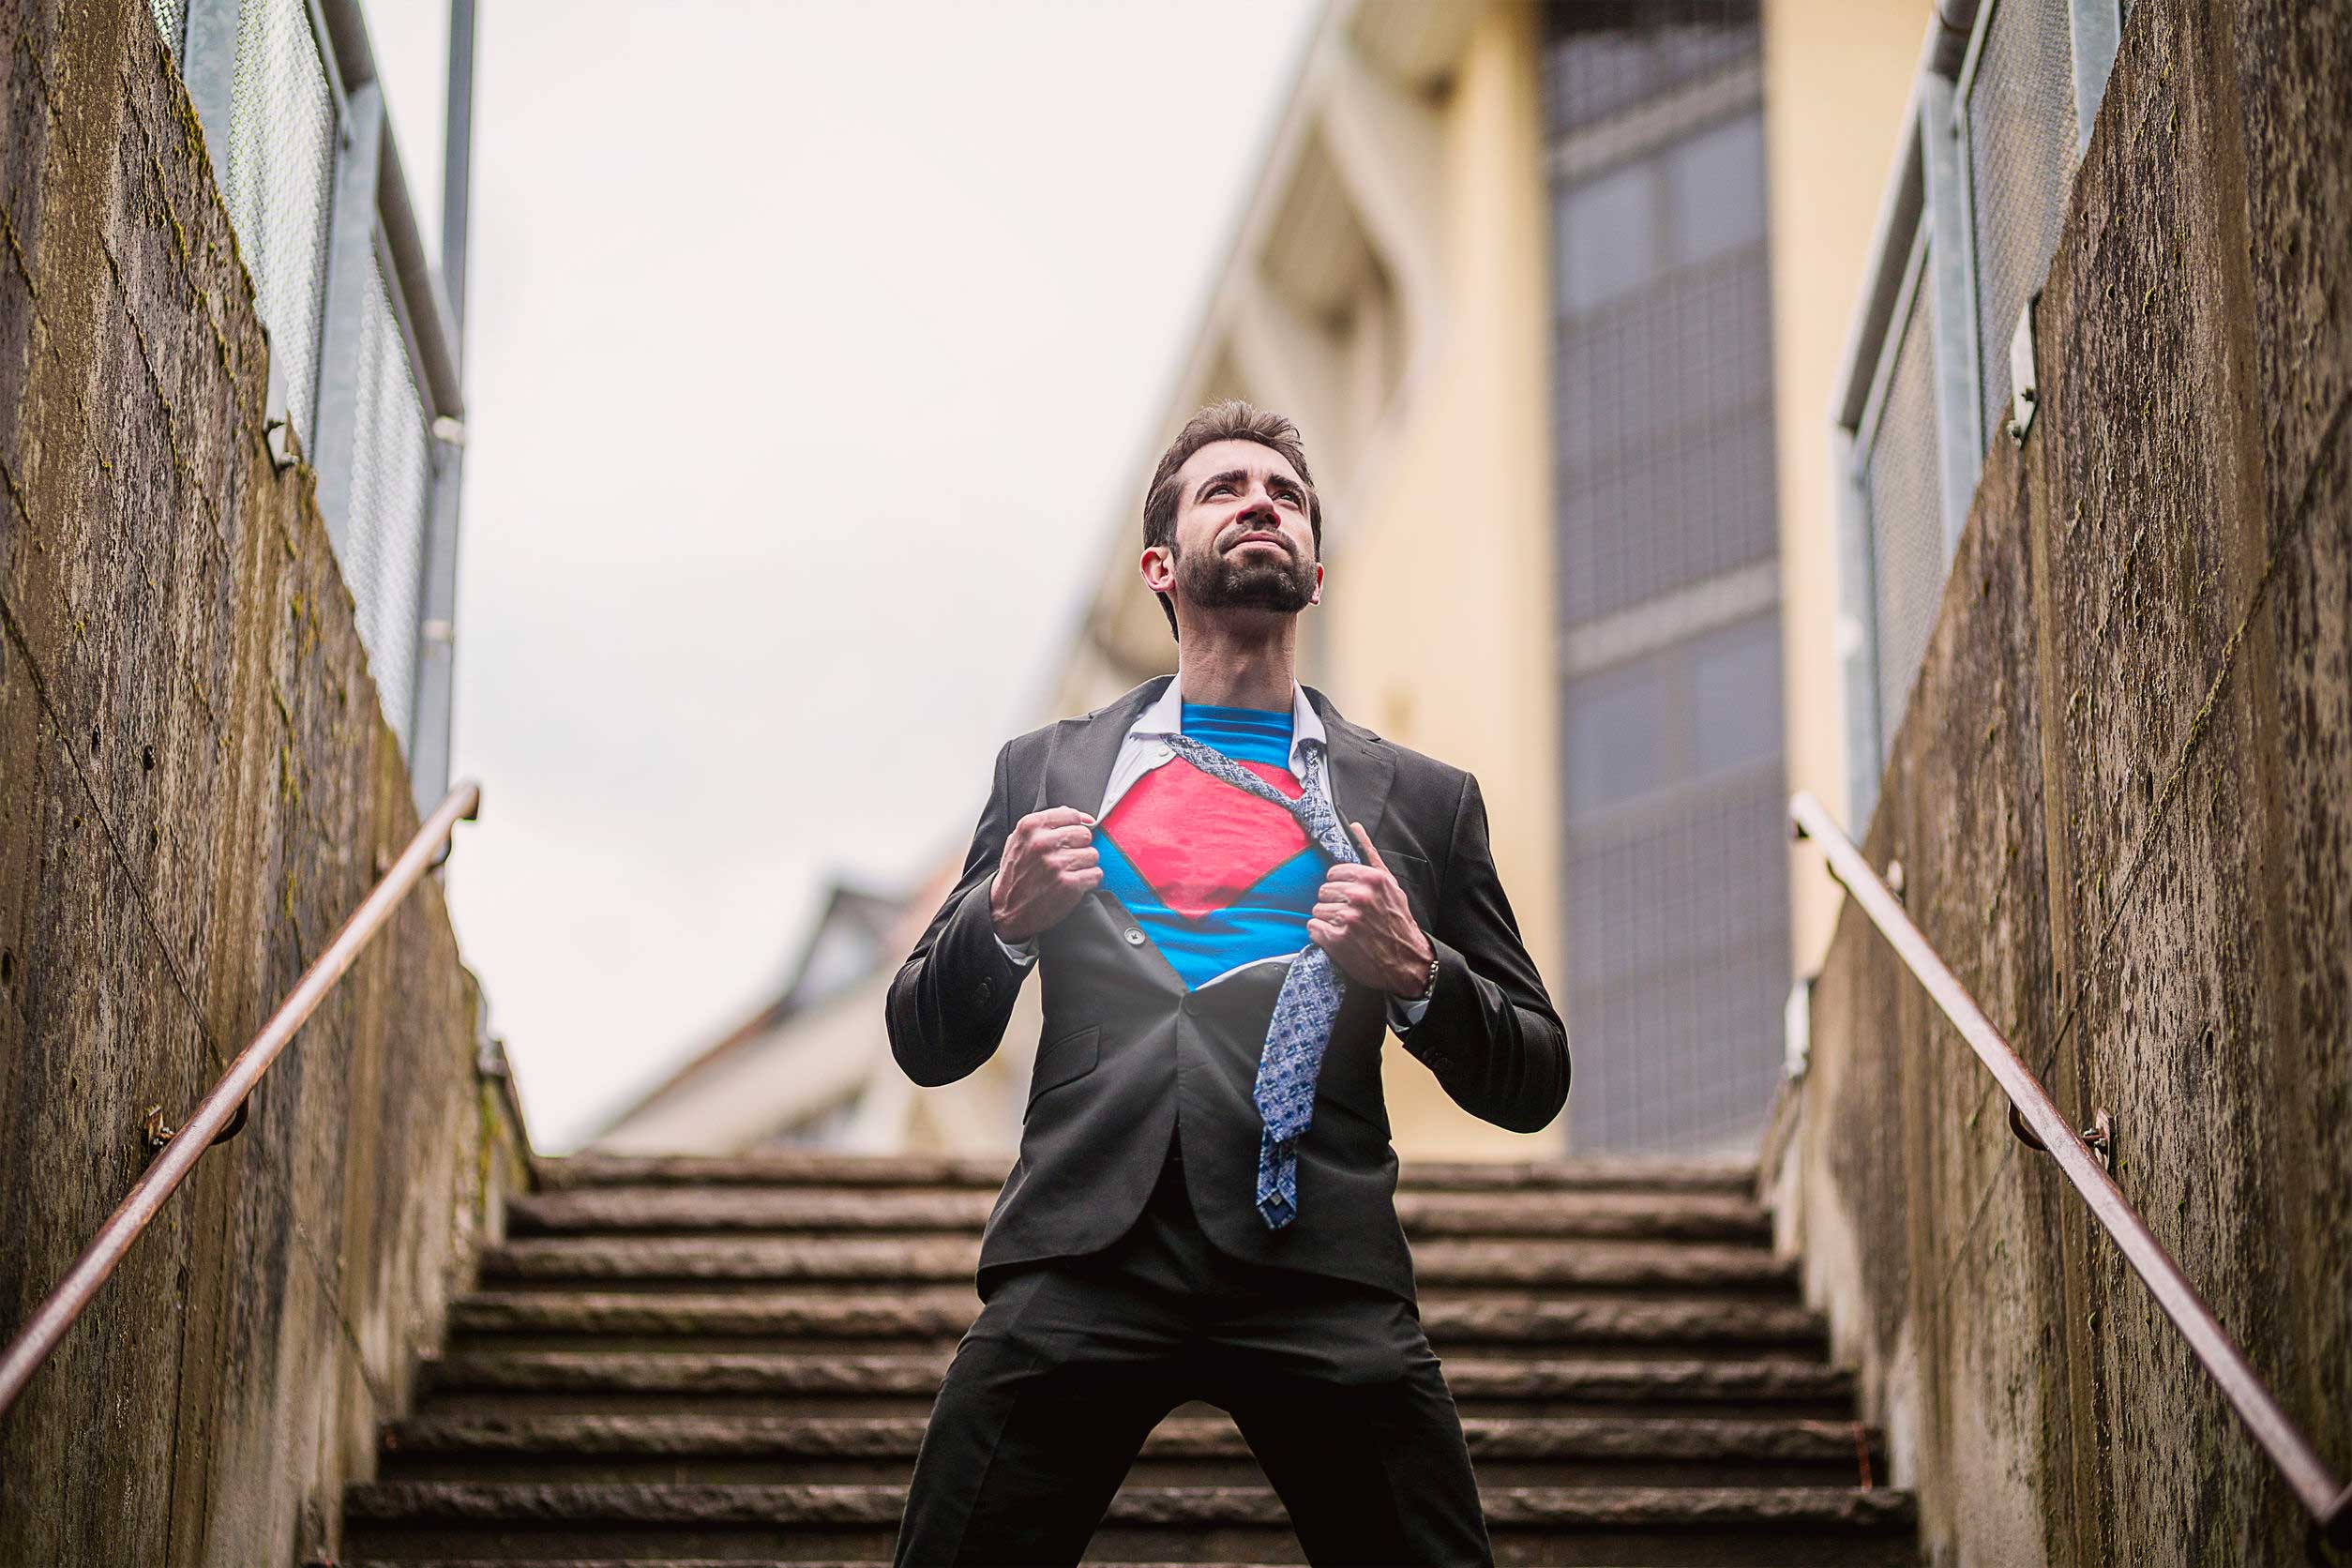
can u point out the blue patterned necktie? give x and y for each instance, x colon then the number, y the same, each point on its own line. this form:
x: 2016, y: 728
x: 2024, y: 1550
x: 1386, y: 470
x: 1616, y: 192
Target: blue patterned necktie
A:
x: 1310, y: 996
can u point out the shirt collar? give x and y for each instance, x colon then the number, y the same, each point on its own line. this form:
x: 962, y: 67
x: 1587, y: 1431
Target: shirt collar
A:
x: 1165, y: 716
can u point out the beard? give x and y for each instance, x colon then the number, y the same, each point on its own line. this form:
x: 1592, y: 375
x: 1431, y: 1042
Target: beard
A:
x: 1251, y: 579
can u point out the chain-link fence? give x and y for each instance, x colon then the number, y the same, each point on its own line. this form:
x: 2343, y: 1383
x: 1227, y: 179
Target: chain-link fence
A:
x: 1973, y: 213
x: 169, y: 14
x: 2018, y: 109
x: 1899, y: 461
x: 391, y: 495
x: 279, y: 186
x: 364, y: 358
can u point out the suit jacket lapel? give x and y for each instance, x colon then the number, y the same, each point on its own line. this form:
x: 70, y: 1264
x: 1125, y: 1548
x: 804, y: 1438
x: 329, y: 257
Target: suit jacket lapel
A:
x: 1080, y: 753
x: 1361, y: 767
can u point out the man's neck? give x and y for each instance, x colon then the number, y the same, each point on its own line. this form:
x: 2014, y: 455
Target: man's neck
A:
x: 1257, y: 671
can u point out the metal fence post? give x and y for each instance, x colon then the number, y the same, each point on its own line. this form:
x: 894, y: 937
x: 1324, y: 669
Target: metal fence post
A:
x: 457, y: 164
x: 1857, y: 626
x: 1877, y: 327
x: 1952, y: 306
x: 432, y: 714
x: 434, y: 711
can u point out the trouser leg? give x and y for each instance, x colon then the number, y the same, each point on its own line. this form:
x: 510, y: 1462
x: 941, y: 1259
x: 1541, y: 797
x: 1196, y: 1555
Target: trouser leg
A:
x: 1339, y: 1396
x: 1038, y: 1422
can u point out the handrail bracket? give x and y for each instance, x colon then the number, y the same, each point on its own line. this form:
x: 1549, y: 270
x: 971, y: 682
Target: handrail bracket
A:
x: 157, y: 1135
x: 2099, y: 1137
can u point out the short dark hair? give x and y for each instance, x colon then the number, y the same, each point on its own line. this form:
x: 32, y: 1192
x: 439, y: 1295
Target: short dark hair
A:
x: 1231, y: 420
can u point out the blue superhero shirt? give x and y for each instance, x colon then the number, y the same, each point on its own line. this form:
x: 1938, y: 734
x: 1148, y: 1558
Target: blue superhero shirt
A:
x: 1215, y: 877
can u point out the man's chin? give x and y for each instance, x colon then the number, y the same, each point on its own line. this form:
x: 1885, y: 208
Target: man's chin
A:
x: 1285, y: 604
x: 1257, y: 590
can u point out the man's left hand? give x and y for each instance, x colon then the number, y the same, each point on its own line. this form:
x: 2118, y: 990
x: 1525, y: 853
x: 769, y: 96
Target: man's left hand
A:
x: 1361, y: 920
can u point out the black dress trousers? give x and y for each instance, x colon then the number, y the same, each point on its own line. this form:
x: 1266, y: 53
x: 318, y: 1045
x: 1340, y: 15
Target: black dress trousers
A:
x: 1073, y: 1360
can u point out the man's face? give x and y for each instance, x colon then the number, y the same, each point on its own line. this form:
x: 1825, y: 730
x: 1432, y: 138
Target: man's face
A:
x: 1243, y: 539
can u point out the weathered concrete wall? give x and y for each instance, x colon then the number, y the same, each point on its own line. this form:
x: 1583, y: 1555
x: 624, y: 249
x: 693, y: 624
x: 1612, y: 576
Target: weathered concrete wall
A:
x: 195, y: 787
x: 2122, y: 800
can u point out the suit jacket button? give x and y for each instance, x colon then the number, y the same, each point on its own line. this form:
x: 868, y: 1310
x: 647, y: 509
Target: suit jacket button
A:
x: 1192, y: 1005
x: 986, y: 986
x: 1134, y: 935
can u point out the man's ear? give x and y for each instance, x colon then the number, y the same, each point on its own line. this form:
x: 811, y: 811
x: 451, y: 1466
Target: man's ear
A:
x: 1159, y: 569
x: 1316, y: 596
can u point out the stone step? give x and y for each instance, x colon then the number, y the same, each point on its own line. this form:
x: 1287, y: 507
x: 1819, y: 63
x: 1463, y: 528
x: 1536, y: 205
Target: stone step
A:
x: 489, y: 1381
x: 929, y: 1257
x: 501, y: 1561
x: 1633, y: 1449
x: 1672, y: 1216
x: 816, y: 1319
x: 833, y: 1168
x: 1822, y: 1527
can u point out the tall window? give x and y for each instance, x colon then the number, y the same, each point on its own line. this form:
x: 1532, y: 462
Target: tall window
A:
x: 1676, y: 874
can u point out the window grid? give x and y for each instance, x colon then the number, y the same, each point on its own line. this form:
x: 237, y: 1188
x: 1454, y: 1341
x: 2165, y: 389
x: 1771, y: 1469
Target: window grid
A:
x: 1674, y: 869
x: 1679, y: 965
x: 1613, y: 56
x: 1665, y: 437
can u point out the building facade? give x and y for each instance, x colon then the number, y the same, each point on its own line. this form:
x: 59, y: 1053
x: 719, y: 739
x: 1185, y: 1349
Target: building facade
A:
x: 1672, y: 875
x: 1521, y: 275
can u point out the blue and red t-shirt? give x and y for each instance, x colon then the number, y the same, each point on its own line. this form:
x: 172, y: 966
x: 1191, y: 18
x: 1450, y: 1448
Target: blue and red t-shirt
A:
x: 1217, y: 878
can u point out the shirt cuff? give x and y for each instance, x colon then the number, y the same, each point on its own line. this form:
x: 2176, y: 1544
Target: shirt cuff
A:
x: 1402, y: 1015
x: 1024, y: 955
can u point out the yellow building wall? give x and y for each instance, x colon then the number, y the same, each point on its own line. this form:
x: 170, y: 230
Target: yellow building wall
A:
x: 1436, y: 619
x: 1836, y: 76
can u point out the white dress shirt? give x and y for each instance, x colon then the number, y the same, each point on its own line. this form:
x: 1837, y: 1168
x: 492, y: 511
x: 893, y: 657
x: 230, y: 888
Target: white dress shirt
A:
x: 1144, y: 749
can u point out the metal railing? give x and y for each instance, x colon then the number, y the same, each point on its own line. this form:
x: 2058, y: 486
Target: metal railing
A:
x: 2034, y: 1116
x: 221, y: 1111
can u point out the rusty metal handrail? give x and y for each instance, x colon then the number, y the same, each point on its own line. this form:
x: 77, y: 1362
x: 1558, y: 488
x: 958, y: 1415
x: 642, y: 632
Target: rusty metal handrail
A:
x: 2035, y: 1119
x: 211, y: 1121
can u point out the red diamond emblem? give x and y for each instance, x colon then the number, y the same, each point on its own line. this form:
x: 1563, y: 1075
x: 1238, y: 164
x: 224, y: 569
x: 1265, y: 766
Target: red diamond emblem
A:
x: 1200, y: 842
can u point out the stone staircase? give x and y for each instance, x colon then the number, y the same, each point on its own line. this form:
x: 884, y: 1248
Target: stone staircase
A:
x: 730, y: 1361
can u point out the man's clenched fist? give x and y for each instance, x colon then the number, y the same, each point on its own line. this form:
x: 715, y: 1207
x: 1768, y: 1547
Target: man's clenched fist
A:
x: 1049, y: 864
x: 1361, y: 920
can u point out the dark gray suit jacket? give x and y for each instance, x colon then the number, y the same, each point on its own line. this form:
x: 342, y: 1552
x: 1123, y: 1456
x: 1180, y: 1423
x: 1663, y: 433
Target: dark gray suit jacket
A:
x: 1129, y: 1055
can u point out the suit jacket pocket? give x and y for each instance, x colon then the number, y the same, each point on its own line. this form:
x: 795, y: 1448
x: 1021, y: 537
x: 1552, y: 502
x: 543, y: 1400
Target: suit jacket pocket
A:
x: 1066, y: 1057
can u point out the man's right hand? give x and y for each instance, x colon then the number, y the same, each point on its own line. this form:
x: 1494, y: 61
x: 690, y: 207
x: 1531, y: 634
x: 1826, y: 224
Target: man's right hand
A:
x: 1049, y: 864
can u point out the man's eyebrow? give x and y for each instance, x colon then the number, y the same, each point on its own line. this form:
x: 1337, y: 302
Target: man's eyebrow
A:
x: 1241, y: 476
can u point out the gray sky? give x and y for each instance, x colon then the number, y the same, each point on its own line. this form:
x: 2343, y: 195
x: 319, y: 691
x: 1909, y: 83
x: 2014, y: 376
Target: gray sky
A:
x: 813, y: 349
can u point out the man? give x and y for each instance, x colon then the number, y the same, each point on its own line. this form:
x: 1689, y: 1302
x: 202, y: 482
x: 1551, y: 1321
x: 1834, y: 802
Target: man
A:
x: 1203, y: 1206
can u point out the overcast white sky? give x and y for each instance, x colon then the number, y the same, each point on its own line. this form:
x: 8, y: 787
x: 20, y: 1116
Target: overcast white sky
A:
x: 812, y: 349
